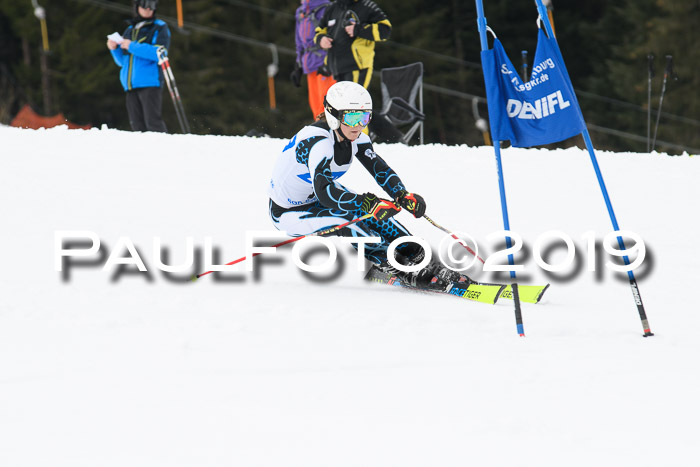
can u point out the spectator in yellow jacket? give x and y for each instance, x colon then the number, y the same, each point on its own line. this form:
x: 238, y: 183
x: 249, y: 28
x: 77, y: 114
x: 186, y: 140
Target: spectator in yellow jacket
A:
x: 348, y: 30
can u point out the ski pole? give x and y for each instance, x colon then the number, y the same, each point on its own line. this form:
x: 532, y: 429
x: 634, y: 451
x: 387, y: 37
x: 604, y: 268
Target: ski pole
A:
x: 167, y: 73
x: 667, y: 72
x: 292, y: 240
x: 164, y: 63
x: 175, y: 93
x: 177, y: 100
x: 459, y: 240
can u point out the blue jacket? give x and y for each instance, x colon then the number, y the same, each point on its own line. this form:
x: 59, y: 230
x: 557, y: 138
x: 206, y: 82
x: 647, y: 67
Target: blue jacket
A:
x: 139, y: 66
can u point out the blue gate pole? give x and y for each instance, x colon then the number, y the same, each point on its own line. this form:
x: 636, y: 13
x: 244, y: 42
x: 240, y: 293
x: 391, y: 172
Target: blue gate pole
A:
x: 589, y: 145
x: 481, y: 22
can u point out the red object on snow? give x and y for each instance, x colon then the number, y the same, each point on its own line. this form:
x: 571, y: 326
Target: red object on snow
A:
x: 27, y: 118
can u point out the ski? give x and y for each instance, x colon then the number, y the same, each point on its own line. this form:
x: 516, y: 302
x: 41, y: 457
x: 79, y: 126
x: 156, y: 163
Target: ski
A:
x: 478, y: 291
x: 475, y: 291
x: 527, y: 293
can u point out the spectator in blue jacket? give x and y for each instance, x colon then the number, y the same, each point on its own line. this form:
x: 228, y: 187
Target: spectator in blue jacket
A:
x: 141, y: 77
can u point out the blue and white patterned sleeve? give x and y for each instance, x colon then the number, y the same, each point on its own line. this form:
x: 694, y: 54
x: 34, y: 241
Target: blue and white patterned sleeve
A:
x: 380, y: 170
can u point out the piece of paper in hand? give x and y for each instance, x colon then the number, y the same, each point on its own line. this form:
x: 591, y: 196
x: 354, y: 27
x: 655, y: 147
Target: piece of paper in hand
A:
x: 116, y: 37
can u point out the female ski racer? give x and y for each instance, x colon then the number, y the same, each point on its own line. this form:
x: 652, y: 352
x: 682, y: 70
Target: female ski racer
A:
x: 305, y: 196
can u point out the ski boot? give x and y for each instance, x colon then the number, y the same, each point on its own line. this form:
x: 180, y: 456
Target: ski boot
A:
x: 432, y: 277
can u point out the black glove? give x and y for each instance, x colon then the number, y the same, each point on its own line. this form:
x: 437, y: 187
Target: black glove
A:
x: 324, y: 70
x: 381, y: 209
x: 295, y: 76
x: 411, y: 202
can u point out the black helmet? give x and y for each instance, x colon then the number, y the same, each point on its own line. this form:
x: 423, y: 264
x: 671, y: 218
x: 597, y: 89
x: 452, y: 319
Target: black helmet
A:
x: 149, y: 4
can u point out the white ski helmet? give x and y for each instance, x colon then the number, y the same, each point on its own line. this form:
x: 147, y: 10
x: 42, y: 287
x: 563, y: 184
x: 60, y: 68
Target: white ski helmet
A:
x: 342, y: 96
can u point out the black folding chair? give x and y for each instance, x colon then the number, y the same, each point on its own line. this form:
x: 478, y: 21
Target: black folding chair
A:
x: 401, y: 86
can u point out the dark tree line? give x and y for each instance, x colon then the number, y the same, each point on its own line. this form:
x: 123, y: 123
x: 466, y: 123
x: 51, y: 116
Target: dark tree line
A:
x: 223, y: 78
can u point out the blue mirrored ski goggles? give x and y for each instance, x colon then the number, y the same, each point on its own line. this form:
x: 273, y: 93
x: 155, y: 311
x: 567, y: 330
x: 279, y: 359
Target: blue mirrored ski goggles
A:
x: 353, y: 118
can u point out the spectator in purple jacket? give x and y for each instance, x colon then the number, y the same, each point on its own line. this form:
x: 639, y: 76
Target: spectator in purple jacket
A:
x: 310, y: 57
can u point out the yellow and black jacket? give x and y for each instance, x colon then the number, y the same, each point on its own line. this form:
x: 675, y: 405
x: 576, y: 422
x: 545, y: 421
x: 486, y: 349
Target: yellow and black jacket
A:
x: 352, y: 53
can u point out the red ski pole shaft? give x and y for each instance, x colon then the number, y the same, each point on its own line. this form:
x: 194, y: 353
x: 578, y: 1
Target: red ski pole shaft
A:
x: 292, y: 240
x: 459, y: 240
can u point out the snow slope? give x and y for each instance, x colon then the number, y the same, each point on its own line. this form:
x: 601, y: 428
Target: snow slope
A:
x: 117, y: 367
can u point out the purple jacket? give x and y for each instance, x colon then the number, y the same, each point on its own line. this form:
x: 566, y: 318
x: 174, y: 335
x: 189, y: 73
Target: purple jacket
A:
x: 309, y: 55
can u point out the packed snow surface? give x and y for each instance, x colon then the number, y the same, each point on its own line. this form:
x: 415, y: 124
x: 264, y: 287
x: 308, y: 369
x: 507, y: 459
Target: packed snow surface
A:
x: 117, y: 367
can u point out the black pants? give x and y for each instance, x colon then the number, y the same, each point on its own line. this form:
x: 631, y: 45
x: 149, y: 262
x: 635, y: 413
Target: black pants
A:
x: 144, y: 107
x: 361, y: 77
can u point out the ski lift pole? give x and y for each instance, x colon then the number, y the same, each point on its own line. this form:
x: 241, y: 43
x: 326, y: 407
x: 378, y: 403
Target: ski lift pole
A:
x: 172, y: 89
x: 272, y: 70
x: 40, y: 14
x: 650, y: 59
x: 481, y: 22
x: 180, y: 22
x: 667, y: 72
x: 481, y: 124
x: 550, y: 14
